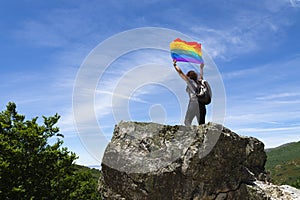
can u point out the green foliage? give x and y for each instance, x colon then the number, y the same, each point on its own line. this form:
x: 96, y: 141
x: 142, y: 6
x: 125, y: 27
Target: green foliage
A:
x: 296, y: 184
x: 31, y: 168
x: 95, y: 173
x: 284, y: 164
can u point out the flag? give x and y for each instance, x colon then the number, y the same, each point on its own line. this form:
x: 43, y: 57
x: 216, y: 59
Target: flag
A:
x: 183, y: 51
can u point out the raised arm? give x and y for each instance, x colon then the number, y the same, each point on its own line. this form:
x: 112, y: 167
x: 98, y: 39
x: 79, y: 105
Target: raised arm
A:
x: 201, y: 71
x: 181, y: 74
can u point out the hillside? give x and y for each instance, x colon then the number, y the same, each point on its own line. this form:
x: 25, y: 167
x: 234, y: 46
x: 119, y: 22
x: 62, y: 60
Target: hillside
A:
x: 94, y: 172
x: 284, y: 164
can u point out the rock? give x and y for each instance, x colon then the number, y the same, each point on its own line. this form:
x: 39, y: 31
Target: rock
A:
x: 260, y: 190
x: 154, y: 161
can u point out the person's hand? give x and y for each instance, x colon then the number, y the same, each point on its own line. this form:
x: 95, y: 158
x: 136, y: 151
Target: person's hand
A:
x: 201, y: 65
x: 174, y: 62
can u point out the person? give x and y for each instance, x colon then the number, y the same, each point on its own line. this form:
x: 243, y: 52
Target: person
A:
x: 195, y: 107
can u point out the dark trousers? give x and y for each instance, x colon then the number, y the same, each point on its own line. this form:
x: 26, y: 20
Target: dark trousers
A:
x: 195, y: 109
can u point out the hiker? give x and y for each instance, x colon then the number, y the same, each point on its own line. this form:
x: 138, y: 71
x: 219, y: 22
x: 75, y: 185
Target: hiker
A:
x: 195, y: 107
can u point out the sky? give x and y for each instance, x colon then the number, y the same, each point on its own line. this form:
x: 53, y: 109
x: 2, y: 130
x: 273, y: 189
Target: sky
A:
x: 96, y: 63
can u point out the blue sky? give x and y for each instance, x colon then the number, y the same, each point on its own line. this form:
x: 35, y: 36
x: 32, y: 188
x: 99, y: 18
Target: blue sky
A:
x: 252, y: 61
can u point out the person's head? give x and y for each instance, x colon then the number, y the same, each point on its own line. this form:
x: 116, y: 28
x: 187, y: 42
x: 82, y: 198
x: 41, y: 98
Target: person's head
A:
x: 192, y: 75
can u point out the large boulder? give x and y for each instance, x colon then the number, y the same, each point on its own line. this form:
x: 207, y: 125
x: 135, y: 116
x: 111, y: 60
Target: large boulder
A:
x: 154, y: 161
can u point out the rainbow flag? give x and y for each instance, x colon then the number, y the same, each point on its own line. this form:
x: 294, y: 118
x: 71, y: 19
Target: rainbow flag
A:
x: 183, y: 51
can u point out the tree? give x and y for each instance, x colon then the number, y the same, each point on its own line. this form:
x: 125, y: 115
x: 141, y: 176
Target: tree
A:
x: 31, y: 167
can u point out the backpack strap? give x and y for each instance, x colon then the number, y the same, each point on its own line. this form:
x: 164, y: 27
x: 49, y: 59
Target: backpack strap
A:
x: 192, y: 85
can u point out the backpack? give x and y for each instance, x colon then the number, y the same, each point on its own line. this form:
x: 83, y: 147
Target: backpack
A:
x: 201, y: 89
x: 203, y: 92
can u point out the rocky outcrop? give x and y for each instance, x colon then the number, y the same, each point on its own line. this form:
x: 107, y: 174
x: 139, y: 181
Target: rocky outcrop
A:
x: 261, y: 190
x: 154, y: 161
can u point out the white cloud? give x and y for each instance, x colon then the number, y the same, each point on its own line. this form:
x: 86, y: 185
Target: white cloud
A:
x: 248, y: 31
x: 66, y: 123
x: 295, y: 3
x: 279, y: 96
x: 273, y: 137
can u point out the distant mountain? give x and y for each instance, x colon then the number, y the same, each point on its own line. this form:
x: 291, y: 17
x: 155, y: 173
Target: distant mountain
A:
x: 284, y: 164
x: 94, y: 166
